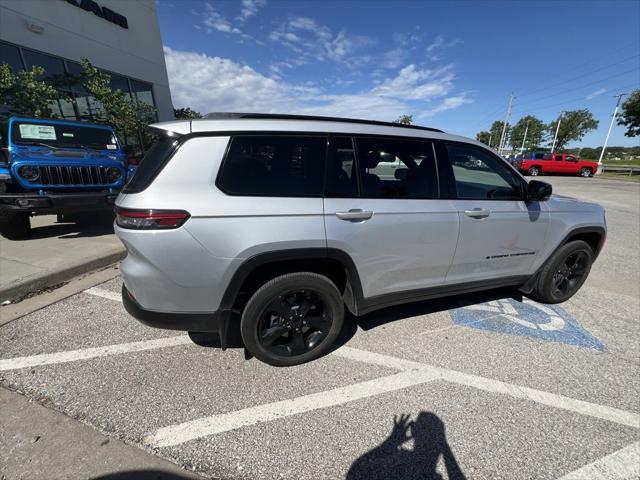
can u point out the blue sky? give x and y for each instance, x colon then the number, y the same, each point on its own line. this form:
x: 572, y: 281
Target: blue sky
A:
x: 451, y: 65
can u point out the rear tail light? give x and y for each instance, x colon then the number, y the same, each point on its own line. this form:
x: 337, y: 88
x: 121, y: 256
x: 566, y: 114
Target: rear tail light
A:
x: 150, y: 219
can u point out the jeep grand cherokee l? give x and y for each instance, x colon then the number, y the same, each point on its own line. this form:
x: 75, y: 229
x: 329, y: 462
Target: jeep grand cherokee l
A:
x: 284, y: 221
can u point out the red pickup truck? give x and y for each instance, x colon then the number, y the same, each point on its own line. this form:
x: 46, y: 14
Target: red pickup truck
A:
x: 556, y: 163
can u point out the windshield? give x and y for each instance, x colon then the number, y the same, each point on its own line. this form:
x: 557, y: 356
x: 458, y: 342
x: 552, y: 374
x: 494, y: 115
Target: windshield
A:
x: 62, y: 136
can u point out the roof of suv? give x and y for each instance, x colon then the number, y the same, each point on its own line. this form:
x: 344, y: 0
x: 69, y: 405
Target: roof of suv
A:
x: 264, y: 122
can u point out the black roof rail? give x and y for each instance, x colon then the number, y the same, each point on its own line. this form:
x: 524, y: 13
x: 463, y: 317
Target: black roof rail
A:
x: 279, y: 116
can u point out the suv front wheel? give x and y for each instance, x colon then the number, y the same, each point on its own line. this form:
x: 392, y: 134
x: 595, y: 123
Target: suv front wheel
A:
x: 292, y: 319
x: 564, y: 273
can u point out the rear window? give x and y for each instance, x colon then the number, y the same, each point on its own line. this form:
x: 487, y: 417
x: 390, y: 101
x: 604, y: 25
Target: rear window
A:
x: 60, y: 136
x: 274, y: 166
x: 153, y: 161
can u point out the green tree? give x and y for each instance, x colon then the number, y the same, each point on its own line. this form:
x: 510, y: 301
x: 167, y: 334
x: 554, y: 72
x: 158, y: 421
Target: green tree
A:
x: 483, y: 137
x: 25, y: 94
x: 574, y: 125
x: 128, y: 116
x: 404, y: 120
x: 630, y: 116
x: 496, y: 133
x: 535, y: 133
x: 186, y: 114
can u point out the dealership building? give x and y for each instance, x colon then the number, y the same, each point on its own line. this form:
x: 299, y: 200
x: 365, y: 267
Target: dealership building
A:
x: 121, y: 37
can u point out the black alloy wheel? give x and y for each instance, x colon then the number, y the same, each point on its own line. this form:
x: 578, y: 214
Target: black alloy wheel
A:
x: 294, y: 323
x: 292, y: 319
x: 570, y: 274
x: 564, y: 273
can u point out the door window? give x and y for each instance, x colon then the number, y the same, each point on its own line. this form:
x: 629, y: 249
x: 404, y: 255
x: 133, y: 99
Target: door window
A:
x: 480, y: 175
x: 395, y: 168
x: 274, y: 165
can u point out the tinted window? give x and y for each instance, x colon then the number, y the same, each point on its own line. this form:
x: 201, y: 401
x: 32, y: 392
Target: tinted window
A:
x: 56, y: 135
x: 153, y: 161
x: 10, y: 54
x: 480, y: 175
x: 341, y: 178
x: 277, y: 166
x: 558, y: 158
x: 393, y: 168
x: 53, y: 67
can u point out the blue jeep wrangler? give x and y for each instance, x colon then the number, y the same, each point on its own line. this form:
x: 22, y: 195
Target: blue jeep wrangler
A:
x: 56, y: 167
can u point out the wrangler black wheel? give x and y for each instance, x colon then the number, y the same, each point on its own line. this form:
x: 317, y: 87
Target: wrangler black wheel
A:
x: 564, y: 273
x: 15, y: 225
x: 292, y: 319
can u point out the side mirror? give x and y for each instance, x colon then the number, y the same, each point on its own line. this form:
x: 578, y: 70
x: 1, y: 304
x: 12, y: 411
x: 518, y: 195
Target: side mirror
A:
x: 538, y: 191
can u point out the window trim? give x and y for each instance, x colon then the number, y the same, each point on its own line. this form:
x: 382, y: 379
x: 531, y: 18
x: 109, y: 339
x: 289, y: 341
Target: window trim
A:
x: 225, y: 159
x: 452, y: 180
x: 433, y: 141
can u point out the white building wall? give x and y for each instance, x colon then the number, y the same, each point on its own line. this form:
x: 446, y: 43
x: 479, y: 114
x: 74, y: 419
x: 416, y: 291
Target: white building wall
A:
x: 73, y: 33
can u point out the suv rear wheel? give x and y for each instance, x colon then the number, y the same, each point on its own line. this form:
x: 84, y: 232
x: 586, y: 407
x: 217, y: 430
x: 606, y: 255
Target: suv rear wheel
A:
x: 15, y: 225
x: 564, y: 273
x: 292, y: 319
x: 534, y: 171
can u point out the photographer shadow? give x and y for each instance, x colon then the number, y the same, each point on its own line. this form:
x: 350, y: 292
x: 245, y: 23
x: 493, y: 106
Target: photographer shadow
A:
x: 392, y: 460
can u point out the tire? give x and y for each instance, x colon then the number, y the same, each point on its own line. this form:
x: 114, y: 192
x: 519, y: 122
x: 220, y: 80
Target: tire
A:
x: 546, y: 289
x: 585, y: 172
x: 300, y: 297
x: 533, y: 171
x: 15, y: 226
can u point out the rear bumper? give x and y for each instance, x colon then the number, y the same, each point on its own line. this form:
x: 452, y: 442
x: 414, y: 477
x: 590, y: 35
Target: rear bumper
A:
x: 191, y: 322
x: 57, y: 202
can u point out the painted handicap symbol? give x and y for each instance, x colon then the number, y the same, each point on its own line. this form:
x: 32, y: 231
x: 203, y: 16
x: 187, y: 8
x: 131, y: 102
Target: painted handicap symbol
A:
x: 527, y: 318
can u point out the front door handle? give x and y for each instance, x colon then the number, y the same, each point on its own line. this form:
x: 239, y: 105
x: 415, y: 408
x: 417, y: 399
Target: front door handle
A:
x: 355, y: 214
x: 478, y: 213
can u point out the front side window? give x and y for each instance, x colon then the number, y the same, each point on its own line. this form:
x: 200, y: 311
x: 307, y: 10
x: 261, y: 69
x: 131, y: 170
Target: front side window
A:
x: 558, y: 158
x: 397, y: 168
x: 480, y: 175
x: 274, y: 165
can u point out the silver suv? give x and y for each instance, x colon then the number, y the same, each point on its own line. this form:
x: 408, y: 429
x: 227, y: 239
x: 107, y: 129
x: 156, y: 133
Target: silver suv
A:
x: 283, y: 221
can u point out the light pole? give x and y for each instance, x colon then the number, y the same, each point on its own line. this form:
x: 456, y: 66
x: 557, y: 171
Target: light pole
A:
x: 555, y: 137
x: 606, y: 140
x: 525, y: 137
x: 491, y: 135
x: 503, y: 138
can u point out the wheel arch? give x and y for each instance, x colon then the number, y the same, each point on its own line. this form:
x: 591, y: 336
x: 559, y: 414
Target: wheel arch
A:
x: 335, y: 264
x: 593, y: 235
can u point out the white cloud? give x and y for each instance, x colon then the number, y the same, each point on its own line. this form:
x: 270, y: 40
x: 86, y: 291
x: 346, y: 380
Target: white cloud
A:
x: 598, y: 92
x: 214, y: 20
x: 250, y: 8
x: 219, y: 84
x: 311, y: 40
x: 439, y: 44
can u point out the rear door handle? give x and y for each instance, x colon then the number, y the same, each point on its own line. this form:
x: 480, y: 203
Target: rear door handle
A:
x: 355, y: 214
x: 478, y: 213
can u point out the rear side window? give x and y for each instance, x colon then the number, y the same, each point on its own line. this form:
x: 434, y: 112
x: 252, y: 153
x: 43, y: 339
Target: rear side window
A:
x: 397, y: 168
x: 153, y: 161
x: 274, y: 166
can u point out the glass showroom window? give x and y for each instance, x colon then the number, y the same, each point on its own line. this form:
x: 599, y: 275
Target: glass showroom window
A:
x: 11, y: 55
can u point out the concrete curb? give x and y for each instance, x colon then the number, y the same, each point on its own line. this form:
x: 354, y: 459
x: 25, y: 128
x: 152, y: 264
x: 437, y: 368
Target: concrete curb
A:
x: 49, y: 279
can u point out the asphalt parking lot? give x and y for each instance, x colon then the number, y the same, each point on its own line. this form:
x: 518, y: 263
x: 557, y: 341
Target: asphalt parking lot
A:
x: 487, y: 386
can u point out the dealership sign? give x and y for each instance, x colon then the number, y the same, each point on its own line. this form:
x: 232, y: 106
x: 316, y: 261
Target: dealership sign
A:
x: 102, y: 12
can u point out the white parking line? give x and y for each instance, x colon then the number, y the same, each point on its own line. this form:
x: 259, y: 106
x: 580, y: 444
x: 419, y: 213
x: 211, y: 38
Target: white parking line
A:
x: 88, y: 353
x: 99, y: 292
x: 496, y: 386
x: 214, y: 424
x: 621, y: 465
